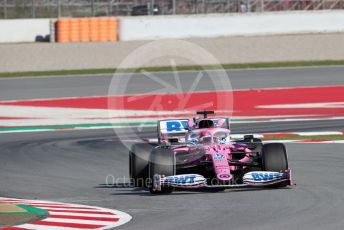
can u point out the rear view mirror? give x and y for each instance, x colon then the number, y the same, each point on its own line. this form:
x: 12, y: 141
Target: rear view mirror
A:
x: 191, y: 124
x: 221, y: 122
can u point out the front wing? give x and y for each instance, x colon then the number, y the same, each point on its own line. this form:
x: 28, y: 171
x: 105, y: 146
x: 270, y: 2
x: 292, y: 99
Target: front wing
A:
x: 259, y: 179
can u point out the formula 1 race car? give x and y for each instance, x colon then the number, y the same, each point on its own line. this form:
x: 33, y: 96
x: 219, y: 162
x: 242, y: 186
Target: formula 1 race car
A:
x: 199, y: 153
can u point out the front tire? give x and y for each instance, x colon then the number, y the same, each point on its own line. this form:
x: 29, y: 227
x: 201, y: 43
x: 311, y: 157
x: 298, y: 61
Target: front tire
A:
x: 274, y: 157
x: 162, y: 162
x: 138, y: 163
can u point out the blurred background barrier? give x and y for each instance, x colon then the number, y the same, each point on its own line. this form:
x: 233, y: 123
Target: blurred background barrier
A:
x: 226, y: 25
x: 105, y: 29
x: 24, y: 30
x: 100, y: 8
x: 86, y: 29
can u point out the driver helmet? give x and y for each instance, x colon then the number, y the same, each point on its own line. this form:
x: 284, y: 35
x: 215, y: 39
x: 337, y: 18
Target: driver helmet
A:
x: 205, y: 137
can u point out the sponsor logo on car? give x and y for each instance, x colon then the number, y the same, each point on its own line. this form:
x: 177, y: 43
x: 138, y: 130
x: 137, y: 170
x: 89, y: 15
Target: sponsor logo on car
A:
x: 262, y: 176
x: 218, y: 156
x: 224, y: 176
x: 186, y: 179
x: 173, y: 126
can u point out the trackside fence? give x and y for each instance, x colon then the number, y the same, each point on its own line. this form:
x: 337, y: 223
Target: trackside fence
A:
x: 100, y: 8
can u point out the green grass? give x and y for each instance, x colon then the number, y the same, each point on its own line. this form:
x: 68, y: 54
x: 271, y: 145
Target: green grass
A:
x: 28, y: 210
x: 179, y: 68
x: 316, y: 137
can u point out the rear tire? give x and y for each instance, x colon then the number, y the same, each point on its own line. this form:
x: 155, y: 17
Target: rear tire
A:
x: 162, y: 162
x: 274, y: 157
x: 138, y: 163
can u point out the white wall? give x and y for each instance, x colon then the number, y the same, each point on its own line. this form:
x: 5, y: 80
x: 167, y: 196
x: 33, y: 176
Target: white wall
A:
x: 190, y: 26
x: 218, y: 25
x: 23, y: 30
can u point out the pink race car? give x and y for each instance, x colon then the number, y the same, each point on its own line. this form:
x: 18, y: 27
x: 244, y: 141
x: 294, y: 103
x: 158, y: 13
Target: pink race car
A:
x: 199, y: 153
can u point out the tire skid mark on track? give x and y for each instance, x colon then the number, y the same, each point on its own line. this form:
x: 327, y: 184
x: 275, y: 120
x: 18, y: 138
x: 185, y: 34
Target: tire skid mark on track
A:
x: 63, y: 216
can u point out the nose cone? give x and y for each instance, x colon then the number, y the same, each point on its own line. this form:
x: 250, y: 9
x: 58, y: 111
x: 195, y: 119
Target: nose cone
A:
x: 220, y: 163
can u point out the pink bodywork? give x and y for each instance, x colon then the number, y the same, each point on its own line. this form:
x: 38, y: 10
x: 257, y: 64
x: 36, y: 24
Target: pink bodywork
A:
x: 220, y: 154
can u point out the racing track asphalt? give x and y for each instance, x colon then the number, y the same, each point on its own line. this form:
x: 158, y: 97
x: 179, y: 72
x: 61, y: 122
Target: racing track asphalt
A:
x: 72, y: 166
x: 88, y: 85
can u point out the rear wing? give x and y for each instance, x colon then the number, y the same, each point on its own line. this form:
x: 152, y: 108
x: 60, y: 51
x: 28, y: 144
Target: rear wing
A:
x: 173, y: 130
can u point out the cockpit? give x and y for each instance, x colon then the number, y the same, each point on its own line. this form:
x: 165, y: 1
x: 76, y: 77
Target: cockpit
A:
x: 207, y: 137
